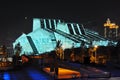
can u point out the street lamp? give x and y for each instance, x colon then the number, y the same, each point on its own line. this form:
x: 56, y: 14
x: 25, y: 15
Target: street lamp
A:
x: 95, y: 48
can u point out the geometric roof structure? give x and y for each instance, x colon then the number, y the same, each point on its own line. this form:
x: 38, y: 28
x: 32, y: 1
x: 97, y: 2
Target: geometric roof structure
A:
x: 46, y: 33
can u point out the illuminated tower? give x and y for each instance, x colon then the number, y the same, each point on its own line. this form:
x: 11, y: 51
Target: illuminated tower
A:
x: 106, y: 25
x: 110, y: 29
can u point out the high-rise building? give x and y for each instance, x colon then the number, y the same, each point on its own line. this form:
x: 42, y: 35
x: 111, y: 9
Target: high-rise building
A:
x: 110, y: 29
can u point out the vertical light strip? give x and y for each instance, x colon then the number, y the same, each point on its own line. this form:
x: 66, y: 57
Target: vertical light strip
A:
x: 73, y: 29
x: 79, y: 29
x: 50, y: 23
x: 45, y: 23
x: 55, y: 23
x: 59, y: 21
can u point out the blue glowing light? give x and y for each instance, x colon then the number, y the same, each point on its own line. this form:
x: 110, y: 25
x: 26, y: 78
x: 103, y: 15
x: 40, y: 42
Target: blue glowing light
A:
x: 6, y: 76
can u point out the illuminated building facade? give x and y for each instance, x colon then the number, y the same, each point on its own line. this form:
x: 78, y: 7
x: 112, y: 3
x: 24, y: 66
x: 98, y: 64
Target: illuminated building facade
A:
x: 46, y: 32
x: 110, y: 29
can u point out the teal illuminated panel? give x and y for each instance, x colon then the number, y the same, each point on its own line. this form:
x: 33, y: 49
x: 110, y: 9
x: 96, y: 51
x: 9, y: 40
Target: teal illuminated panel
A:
x: 63, y: 27
x: 43, y: 40
x: 100, y: 43
x: 66, y: 42
x: 26, y: 47
x: 32, y: 45
x: 36, y: 24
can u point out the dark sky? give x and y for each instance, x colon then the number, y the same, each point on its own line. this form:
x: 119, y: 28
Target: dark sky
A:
x: 91, y: 13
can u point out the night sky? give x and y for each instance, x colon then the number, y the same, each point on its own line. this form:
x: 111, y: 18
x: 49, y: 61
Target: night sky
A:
x: 16, y: 17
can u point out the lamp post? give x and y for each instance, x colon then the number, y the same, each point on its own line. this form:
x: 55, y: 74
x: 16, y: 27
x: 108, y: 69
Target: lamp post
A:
x: 95, y: 48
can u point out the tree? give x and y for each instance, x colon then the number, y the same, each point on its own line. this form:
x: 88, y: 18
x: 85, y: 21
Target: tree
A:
x: 18, y: 49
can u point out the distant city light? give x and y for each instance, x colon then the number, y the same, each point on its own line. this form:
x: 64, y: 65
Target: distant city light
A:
x: 25, y: 17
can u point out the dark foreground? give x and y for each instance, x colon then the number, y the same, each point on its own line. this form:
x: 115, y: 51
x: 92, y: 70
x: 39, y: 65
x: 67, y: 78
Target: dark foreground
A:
x: 35, y: 73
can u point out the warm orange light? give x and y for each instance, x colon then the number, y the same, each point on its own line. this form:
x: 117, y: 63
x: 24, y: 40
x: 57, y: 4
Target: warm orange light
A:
x: 64, y: 73
x: 110, y: 25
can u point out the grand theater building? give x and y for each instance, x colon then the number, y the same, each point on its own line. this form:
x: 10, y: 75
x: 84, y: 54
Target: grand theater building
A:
x: 46, y: 32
